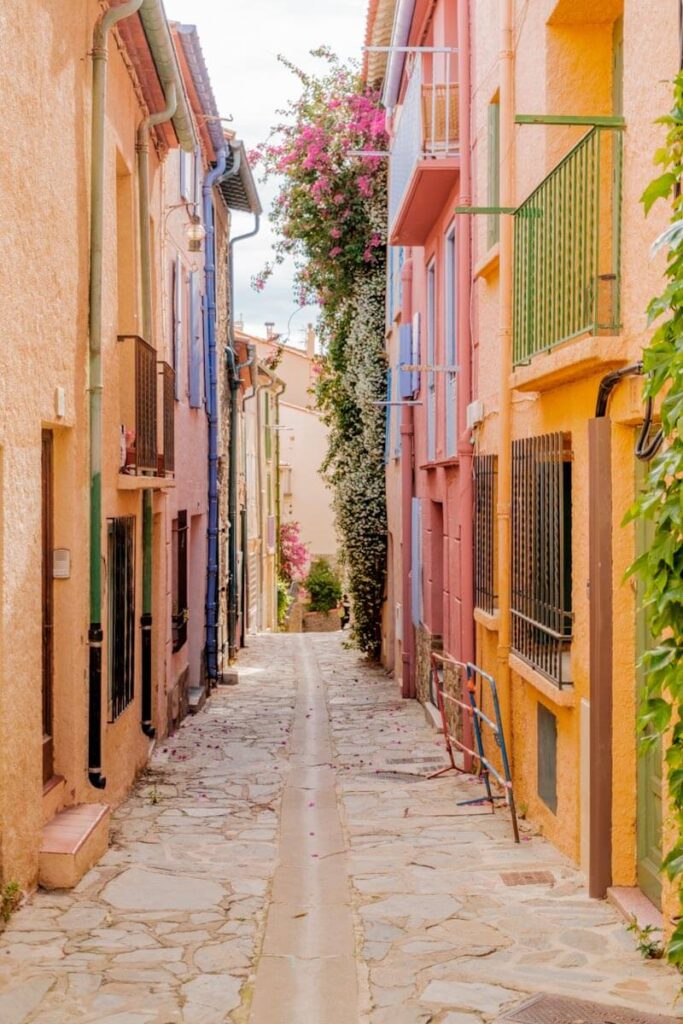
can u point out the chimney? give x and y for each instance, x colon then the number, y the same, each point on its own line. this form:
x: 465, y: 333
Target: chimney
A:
x: 270, y: 329
x: 310, y: 341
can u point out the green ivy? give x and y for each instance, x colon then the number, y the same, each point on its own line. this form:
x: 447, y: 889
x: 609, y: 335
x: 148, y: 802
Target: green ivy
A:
x: 661, y: 501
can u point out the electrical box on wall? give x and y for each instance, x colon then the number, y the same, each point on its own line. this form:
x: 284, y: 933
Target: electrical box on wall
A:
x: 61, y: 564
x: 475, y: 414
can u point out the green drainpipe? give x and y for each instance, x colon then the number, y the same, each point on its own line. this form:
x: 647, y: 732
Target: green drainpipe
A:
x: 99, y: 93
x: 142, y: 149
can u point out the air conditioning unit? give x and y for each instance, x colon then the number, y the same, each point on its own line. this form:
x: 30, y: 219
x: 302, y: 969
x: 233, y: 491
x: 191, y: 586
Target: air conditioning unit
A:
x: 475, y: 414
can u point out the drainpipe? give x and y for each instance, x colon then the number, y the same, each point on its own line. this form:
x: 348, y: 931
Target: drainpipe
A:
x: 407, y: 491
x: 99, y: 92
x: 212, y: 403
x: 234, y: 379
x: 467, y: 644
x: 507, y: 194
x: 142, y: 149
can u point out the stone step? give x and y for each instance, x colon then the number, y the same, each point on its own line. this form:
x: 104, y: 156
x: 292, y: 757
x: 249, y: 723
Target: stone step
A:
x: 73, y: 841
x: 196, y: 699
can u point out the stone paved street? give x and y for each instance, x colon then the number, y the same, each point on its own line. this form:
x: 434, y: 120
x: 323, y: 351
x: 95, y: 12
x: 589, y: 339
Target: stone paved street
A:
x: 280, y: 862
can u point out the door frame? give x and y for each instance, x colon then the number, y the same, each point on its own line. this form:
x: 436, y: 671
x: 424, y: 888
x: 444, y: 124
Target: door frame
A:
x: 47, y: 594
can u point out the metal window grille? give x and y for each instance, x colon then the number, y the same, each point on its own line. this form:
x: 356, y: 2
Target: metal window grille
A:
x: 121, y: 613
x: 485, y: 471
x: 145, y: 407
x: 179, y: 598
x: 167, y: 375
x: 542, y: 553
x: 567, y: 249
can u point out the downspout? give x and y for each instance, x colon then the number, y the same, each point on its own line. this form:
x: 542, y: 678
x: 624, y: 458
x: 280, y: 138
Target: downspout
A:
x: 465, y: 453
x: 403, y: 19
x: 141, y: 149
x: 407, y: 491
x: 212, y: 403
x: 503, y: 510
x: 99, y: 92
x: 234, y: 378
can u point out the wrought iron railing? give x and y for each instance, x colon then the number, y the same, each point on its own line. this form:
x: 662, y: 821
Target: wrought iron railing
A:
x: 428, y: 123
x: 541, y: 603
x: 167, y: 382
x: 567, y: 249
x: 484, y: 532
x: 138, y: 391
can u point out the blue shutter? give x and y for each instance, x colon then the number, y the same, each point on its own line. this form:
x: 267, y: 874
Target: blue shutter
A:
x: 405, y: 355
x: 415, y: 353
x: 195, y: 342
x: 205, y: 347
x: 416, y: 566
x: 390, y: 285
x: 177, y: 324
x: 387, y: 422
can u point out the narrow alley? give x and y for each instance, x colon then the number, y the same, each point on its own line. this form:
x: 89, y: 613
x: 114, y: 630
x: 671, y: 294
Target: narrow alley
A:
x: 285, y: 860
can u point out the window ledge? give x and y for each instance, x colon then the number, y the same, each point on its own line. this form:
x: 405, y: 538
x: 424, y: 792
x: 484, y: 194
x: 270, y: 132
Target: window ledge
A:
x: 570, y: 360
x: 489, y: 620
x: 488, y: 263
x: 563, y: 698
x: 131, y: 482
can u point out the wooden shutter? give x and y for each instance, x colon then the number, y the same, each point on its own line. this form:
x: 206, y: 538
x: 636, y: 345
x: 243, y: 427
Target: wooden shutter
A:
x: 493, y: 225
x: 416, y: 567
x: 387, y: 421
x: 405, y: 354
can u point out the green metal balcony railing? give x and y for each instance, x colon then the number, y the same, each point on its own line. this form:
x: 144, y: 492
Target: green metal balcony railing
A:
x: 567, y: 249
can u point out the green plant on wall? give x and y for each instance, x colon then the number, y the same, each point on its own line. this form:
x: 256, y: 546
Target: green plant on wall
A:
x: 661, y: 501
x: 324, y: 586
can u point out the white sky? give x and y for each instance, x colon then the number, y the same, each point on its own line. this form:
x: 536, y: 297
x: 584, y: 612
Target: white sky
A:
x: 241, y: 40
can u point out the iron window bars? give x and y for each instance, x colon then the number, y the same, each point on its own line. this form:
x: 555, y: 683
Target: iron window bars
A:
x: 485, y: 470
x: 121, y: 613
x: 180, y: 611
x: 541, y: 604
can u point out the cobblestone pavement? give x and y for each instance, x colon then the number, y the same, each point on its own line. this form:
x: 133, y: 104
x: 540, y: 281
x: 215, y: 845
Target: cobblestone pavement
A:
x: 204, y: 910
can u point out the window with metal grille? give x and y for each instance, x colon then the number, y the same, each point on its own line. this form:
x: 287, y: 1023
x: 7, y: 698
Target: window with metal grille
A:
x: 542, y: 553
x: 179, y: 595
x: 121, y: 613
x: 485, y: 470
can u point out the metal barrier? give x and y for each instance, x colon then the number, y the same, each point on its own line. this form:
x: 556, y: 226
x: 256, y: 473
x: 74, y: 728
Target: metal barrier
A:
x: 479, y: 719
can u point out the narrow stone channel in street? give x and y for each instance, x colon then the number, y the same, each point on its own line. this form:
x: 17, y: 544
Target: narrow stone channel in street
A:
x: 285, y: 860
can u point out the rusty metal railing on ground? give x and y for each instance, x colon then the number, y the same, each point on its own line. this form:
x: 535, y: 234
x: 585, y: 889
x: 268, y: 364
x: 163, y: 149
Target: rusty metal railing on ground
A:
x: 479, y: 720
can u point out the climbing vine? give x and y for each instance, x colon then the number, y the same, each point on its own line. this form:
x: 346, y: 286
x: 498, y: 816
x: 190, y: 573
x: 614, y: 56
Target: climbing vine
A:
x: 661, y: 501
x: 330, y: 216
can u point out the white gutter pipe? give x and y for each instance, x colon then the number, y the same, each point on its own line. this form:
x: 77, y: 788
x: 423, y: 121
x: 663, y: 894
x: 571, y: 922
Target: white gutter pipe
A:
x: 403, y: 19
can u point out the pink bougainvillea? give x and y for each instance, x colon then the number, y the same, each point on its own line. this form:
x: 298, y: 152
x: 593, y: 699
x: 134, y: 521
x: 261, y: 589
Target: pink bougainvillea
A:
x: 294, y: 556
x: 319, y: 152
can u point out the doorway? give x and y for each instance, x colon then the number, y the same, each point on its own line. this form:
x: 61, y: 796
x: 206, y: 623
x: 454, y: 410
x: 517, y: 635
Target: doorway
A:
x: 649, y: 764
x: 47, y: 519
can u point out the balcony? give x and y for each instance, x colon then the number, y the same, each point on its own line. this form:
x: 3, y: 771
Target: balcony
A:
x: 567, y: 266
x: 425, y: 154
x: 139, y: 460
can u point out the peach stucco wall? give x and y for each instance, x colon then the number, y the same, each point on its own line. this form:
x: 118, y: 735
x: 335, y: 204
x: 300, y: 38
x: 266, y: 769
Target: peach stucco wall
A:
x: 44, y: 190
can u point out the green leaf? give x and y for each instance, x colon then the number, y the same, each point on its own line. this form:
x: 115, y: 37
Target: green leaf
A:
x: 658, y: 189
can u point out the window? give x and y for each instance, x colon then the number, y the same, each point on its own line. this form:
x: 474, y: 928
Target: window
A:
x: 451, y: 335
x: 178, y: 323
x: 485, y: 469
x: 542, y: 553
x: 431, y: 357
x: 493, y: 189
x: 187, y: 184
x: 121, y: 613
x: 546, y: 757
x: 196, y: 357
x: 179, y: 605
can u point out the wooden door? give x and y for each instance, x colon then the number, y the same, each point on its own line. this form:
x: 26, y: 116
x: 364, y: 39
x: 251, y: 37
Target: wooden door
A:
x: 649, y: 806
x: 47, y: 604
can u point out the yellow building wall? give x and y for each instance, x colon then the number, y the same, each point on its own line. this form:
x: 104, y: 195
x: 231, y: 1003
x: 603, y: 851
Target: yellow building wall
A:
x: 563, y: 66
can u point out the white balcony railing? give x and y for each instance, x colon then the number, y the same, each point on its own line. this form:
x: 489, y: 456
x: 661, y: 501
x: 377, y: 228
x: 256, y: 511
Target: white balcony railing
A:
x: 428, y: 120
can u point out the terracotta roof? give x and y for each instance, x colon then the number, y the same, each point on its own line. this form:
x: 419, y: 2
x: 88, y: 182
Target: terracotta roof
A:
x: 378, y: 31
